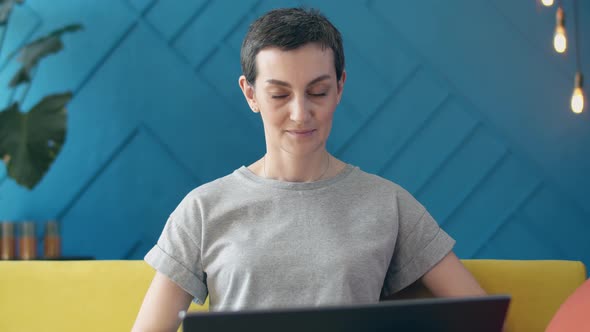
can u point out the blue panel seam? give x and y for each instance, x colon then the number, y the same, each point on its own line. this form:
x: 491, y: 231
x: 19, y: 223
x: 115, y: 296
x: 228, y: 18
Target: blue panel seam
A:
x: 188, y: 22
x: 98, y: 173
x: 505, y: 220
x: 380, y: 108
x: 420, y: 128
x: 206, y: 58
x: 476, y: 186
x: 448, y: 158
x: 149, y: 131
x: 105, y: 57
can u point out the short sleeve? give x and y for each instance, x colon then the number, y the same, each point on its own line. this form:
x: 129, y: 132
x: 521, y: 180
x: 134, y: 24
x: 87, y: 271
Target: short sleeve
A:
x: 177, y: 253
x: 420, y: 245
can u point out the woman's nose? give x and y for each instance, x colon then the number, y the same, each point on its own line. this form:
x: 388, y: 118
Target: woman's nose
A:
x: 300, y: 110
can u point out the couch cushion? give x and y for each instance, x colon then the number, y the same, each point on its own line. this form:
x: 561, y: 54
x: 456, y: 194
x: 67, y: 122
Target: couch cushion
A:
x: 72, y: 295
x: 106, y: 295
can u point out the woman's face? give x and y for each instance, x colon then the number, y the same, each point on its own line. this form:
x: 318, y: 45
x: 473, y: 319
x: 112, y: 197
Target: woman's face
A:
x: 296, y: 93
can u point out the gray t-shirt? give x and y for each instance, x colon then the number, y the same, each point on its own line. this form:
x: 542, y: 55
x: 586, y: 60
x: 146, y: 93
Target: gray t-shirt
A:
x: 252, y: 243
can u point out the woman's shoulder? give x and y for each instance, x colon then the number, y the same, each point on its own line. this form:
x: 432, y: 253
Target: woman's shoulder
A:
x: 216, y: 187
x: 230, y: 179
x: 371, y: 180
x: 385, y: 188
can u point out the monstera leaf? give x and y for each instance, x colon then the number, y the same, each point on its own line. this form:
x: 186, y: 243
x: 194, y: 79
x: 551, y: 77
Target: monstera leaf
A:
x: 29, y: 142
x: 5, y: 9
x: 31, y: 53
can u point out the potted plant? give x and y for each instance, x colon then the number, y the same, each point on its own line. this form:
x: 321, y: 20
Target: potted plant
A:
x: 31, y: 140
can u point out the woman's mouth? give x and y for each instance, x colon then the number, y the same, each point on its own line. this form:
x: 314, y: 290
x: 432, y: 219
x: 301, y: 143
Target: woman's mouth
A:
x: 301, y: 133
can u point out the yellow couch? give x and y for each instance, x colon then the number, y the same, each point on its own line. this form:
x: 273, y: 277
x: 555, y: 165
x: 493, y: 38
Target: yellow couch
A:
x: 106, y: 295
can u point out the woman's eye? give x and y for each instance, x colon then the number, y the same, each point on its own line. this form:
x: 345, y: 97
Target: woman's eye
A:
x: 318, y: 94
x: 279, y: 96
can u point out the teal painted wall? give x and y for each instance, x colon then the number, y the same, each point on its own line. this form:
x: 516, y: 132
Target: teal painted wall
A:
x: 464, y: 103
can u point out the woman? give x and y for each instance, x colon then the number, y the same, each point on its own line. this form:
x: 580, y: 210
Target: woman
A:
x: 297, y: 227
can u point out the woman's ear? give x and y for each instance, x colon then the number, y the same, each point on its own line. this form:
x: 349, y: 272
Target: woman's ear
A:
x: 341, y: 85
x: 249, y: 93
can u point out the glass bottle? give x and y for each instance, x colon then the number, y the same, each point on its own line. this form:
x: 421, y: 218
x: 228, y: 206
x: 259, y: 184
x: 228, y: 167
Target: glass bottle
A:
x: 7, y: 241
x: 51, y: 241
x: 27, y: 241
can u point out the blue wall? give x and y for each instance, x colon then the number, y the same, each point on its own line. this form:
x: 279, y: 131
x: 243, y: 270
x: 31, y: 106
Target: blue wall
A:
x: 464, y: 103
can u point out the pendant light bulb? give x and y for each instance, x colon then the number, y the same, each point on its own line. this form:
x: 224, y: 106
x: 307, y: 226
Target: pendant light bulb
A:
x: 559, y: 38
x: 577, y: 102
x: 547, y: 3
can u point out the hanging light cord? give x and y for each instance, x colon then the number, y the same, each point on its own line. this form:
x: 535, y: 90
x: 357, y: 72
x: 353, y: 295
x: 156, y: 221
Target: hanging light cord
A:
x: 577, y: 37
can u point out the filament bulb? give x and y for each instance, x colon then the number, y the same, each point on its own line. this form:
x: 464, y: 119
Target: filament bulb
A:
x: 577, y: 102
x: 559, y: 38
x: 547, y: 3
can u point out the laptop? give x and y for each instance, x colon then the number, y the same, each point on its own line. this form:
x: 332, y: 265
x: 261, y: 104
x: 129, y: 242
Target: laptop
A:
x: 482, y: 314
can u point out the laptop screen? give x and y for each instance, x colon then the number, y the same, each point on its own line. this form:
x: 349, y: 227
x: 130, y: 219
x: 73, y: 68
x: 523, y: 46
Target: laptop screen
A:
x: 483, y: 314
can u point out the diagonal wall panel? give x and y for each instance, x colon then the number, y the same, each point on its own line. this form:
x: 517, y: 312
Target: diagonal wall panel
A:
x: 422, y: 156
x: 461, y: 102
x: 518, y: 240
x: 206, y: 32
x: 171, y: 18
x: 487, y: 208
x: 387, y: 55
x: 103, y: 24
x: 552, y: 212
x: 510, y: 91
x: 225, y: 83
x: 396, y: 120
x: 99, y: 225
x: 458, y: 179
x: 141, y: 5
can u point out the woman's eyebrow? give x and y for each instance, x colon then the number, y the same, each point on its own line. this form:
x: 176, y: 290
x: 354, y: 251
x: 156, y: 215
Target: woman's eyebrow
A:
x: 278, y: 82
x: 285, y: 84
x: 318, y: 79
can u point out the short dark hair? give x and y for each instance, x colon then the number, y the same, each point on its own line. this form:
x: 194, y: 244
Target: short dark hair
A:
x: 288, y: 29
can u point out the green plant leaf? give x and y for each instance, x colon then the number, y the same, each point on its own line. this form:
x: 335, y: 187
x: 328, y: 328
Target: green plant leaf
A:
x: 5, y: 9
x: 9, y: 118
x: 34, y: 51
x: 29, y: 142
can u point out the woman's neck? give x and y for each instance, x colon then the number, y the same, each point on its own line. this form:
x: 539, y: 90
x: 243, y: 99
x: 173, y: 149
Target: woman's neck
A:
x: 291, y: 168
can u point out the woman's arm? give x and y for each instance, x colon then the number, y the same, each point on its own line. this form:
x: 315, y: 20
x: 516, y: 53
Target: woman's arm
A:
x: 450, y: 278
x: 161, y: 305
